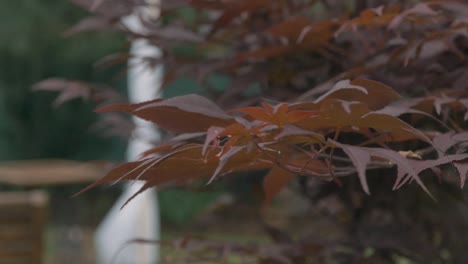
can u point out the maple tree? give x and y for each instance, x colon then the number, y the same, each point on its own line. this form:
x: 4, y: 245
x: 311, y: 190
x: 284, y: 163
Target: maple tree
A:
x: 343, y: 90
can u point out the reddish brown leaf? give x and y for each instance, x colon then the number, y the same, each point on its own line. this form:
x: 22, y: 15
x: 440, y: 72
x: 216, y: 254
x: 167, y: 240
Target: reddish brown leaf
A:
x: 182, y: 114
x: 278, y: 115
x: 342, y: 114
x: 290, y: 29
x: 306, y: 164
x: 274, y: 181
x: 258, y: 113
x: 223, y: 160
x: 375, y: 94
x: 158, y: 149
x: 294, y: 116
x: 262, y: 53
x: 295, y: 135
x: 315, y: 36
x: 186, y: 164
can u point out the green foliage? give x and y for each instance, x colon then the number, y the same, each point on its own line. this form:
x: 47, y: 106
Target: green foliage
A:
x: 34, y: 48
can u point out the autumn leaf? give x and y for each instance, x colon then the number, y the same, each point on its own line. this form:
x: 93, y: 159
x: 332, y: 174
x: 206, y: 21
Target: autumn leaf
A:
x: 276, y: 179
x: 183, y: 164
x: 374, y: 94
x: 278, y: 115
x: 343, y: 114
x: 181, y: 114
x: 262, y: 53
x: 289, y: 29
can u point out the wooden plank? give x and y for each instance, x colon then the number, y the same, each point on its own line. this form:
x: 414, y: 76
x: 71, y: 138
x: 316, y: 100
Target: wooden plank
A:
x: 51, y: 172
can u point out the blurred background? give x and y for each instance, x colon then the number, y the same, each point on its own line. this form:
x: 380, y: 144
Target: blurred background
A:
x: 35, y: 132
x: 40, y: 141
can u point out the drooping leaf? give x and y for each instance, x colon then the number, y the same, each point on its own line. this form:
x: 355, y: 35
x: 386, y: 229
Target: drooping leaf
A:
x: 372, y: 17
x: 186, y: 164
x: 223, y: 160
x: 343, y: 114
x: 375, y: 94
x: 211, y: 134
x: 290, y: 29
x: 278, y: 115
x: 297, y: 135
x: 276, y: 179
x: 181, y: 114
x: 307, y: 164
x: 360, y: 158
x: 401, y: 108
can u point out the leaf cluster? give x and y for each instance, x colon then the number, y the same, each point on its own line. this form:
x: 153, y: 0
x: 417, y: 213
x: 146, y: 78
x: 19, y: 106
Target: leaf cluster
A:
x: 324, y: 110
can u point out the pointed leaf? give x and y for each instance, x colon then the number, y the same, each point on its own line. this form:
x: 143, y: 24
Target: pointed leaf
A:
x: 360, y: 158
x: 375, y: 94
x: 299, y: 135
x: 186, y: 164
x: 212, y: 134
x: 224, y: 159
x: 258, y: 113
x: 182, y: 114
x: 290, y: 28
x: 274, y: 181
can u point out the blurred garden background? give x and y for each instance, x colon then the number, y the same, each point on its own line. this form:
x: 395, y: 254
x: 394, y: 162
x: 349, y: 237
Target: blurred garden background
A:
x: 35, y: 47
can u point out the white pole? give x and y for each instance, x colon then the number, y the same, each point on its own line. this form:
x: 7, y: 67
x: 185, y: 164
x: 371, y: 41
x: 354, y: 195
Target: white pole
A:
x: 139, y: 218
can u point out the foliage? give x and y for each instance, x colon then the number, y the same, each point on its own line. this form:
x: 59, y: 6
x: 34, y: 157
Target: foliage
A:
x: 345, y: 91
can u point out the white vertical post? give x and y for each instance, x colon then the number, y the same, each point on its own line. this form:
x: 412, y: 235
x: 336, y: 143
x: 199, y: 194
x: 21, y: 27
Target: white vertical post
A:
x: 139, y: 218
